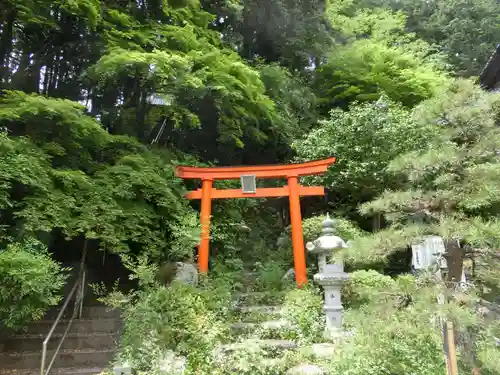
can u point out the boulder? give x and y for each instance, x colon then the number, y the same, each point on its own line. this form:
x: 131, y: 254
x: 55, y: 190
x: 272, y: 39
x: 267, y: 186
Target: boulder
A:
x: 289, y: 275
x: 186, y: 273
x: 282, y: 241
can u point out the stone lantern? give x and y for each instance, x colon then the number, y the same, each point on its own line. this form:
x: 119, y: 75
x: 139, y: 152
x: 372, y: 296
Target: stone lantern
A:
x: 330, y: 276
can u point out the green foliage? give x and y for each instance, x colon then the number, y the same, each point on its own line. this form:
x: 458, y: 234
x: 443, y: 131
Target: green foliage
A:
x: 30, y: 283
x: 407, y: 344
x: 399, y: 318
x: 379, y: 57
x: 364, y: 69
x: 236, y: 87
x: 465, y: 31
x: 450, y: 187
x: 23, y: 168
x: 270, y: 275
x: 161, y: 320
x: 62, y: 131
x: 243, y: 228
x: 225, y: 278
x: 211, y: 93
x: 303, y: 310
x: 363, y: 287
x: 268, y: 33
x: 86, y: 181
x: 295, y: 100
x: 353, y: 22
x: 175, y: 318
x: 488, y: 349
x: 313, y: 226
x: 365, y: 140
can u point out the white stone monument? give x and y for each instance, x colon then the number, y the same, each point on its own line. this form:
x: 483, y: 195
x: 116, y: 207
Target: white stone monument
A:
x: 330, y: 276
x: 428, y: 252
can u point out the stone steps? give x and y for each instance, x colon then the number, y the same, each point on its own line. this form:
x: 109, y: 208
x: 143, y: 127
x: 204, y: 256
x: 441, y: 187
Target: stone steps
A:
x: 77, y: 341
x: 256, y: 326
x: 87, y: 348
x: 260, y: 328
x: 57, y: 371
x: 107, y: 325
x: 93, y: 312
x: 268, y: 325
x: 257, y: 314
x: 259, y: 298
x: 260, y: 309
x: 271, y: 344
x: 85, y: 358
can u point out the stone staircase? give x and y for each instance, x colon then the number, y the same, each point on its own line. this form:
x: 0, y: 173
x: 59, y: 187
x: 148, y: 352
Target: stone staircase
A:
x: 87, y: 349
x: 258, y: 324
x: 91, y: 341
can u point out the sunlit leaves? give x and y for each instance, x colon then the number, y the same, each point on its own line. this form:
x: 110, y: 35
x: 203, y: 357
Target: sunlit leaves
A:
x: 464, y: 30
x: 362, y: 70
x: 84, y: 181
x: 30, y: 283
x: 187, y: 65
x: 365, y: 140
x: 450, y: 187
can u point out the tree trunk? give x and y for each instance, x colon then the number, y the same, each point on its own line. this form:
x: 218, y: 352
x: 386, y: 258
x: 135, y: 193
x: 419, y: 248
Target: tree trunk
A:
x: 33, y: 74
x: 55, y: 74
x: 376, y: 223
x: 455, y: 259
x: 6, y: 45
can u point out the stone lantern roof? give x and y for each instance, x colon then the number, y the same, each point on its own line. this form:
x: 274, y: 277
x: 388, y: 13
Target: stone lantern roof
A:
x: 328, y: 240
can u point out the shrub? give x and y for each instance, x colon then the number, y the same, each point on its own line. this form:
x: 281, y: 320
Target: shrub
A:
x: 270, y: 275
x: 303, y: 310
x: 166, y: 319
x: 396, y: 326
x: 364, y: 287
x: 30, y: 283
x: 170, y: 326
x: 393, y: 342
x: 407, y: 333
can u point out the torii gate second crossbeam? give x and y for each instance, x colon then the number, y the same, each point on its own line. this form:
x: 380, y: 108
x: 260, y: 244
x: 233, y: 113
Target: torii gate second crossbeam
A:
x: 293, y: 190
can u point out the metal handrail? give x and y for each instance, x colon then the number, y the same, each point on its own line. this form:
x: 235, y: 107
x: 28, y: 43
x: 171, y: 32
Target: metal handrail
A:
x: 77, y: 310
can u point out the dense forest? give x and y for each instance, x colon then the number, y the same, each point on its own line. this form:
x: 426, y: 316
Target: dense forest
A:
x: 101, y: 99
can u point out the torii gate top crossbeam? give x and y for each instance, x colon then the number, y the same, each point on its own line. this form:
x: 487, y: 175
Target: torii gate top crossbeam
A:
x: 260, y: 171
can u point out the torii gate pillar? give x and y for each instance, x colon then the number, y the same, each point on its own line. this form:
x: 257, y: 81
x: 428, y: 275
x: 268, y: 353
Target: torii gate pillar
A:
x: 299, y: 257
x: 293, y: 190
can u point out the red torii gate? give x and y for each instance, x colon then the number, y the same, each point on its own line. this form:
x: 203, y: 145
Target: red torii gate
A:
x: 293, y: 190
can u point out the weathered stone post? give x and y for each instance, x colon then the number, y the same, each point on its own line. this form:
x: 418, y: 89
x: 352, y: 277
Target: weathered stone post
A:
x: 330, y: 276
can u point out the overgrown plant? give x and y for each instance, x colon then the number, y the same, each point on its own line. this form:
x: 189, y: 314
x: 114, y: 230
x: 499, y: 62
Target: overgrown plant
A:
x: 30, y: 283
x: 303, y: 311
x: 270, y: 275
x: 168, y: 326
x: 449, y: 188
x: 364, y: 287
x: 395, y: 325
